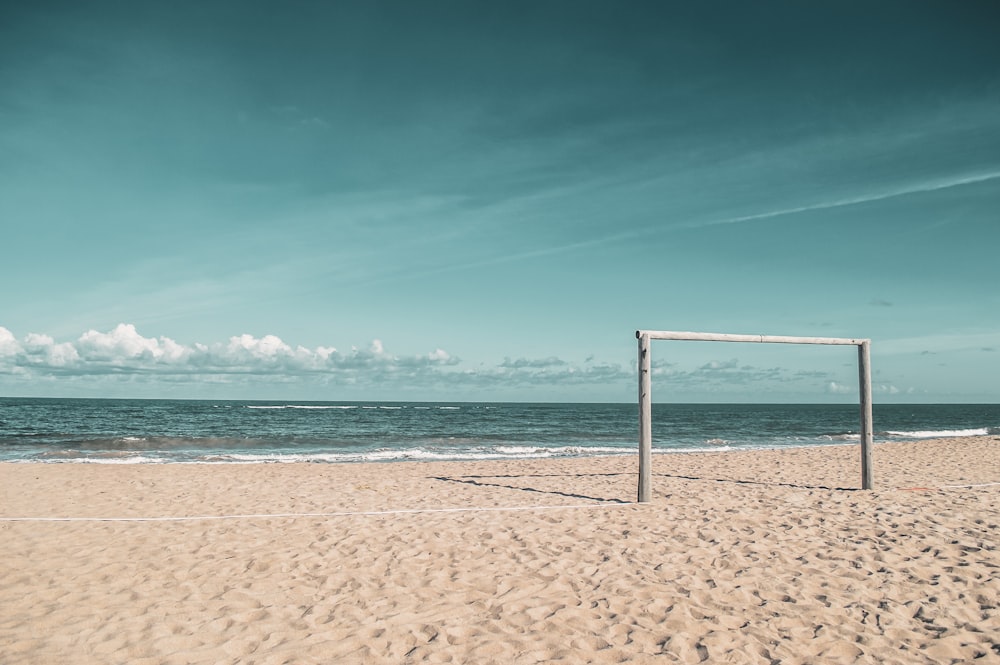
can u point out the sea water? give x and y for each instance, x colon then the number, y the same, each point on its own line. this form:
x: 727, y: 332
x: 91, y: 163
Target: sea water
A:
x: 162, y: 431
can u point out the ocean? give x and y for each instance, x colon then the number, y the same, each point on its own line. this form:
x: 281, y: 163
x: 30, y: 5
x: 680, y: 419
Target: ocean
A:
x: 118, y: 431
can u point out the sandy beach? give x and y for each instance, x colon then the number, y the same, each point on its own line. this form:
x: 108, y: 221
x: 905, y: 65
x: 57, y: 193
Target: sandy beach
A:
x: 741, y: 557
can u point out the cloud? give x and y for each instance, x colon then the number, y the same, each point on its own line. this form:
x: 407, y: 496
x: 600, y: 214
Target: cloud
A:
x: 266, y: 348
x: 838, y: 388
x: 721, y: 365
x: 537, y: 363
x: 890, y: 193
x: 812, y: 373
x: 42, y: 350
x: 123, y: 350
x: 723, y: 375
x: 545, y: 372
x: 878, y: 302
x: 835, y: 388
x: 125, y: 354
x: 8, y: 343
x: 125, y: 344
x: 907, y: 189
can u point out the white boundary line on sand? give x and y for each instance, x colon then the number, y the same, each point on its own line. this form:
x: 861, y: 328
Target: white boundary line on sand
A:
x: 952, y: 487
x: 945, y: 487
x: 366, y: 513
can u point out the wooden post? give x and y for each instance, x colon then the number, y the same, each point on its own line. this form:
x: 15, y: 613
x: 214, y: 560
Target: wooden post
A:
x: 865, y: 383
x: 645, y: 418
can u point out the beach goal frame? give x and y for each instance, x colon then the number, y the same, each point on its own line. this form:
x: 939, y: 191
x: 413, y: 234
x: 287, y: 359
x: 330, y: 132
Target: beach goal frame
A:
x: 645, y: 338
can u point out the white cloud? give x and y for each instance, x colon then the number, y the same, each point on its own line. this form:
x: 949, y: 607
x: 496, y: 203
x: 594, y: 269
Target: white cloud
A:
x: 245, y: 349
x: 8, y: 343
x: 439, y: 355
x: 839, y: 389
x: 548, y: 372
x: 123, y: 350
x: 732, y: 363
x: 537, y: 363
x: 124, y: 344
x: 42, y: 350
x: 34, y: 340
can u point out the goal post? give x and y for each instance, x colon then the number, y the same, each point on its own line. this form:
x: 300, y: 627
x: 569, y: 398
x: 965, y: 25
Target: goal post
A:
x: 645, y: 338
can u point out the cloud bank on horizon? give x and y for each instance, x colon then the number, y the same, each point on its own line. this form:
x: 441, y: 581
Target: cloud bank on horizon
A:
x: 124, y: 350
x: 125, y: 361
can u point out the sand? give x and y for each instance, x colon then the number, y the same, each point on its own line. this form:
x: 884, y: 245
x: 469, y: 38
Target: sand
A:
x: 741, y: 557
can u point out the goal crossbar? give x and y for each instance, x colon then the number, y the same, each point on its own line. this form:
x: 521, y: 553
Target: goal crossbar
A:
x: 645, y: 385
x: 765, y: 339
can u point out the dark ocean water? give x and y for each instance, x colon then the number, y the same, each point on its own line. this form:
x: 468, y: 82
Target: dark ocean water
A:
x: 158, y: 431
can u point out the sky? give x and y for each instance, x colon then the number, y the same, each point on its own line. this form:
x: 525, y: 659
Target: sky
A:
x: 471, y: 201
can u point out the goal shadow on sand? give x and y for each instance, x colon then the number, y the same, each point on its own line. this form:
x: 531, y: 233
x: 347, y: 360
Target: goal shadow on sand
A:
x: 763, y: 483
x: 484, y: 481
x: 497, y: 481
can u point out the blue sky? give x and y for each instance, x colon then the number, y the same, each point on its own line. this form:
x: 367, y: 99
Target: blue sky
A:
x: 472, y: 201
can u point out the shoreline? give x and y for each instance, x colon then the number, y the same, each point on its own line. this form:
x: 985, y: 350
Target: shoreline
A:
x: 385, y: 456
x: 742, y: 556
